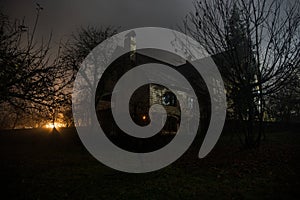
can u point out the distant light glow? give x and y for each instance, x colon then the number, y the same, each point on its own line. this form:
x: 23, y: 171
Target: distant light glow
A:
x: 50, y: 125
x: 55, y: 125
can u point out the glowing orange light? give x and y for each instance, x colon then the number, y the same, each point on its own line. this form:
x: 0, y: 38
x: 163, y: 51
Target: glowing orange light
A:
x: 55, y: 125
x: 144, y: 117
x: 50, y: 125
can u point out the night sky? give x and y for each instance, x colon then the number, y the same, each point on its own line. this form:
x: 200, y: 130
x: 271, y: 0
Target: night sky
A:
x: 65, y: 16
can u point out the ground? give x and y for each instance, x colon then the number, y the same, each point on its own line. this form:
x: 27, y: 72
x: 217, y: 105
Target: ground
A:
x: 36, y: 164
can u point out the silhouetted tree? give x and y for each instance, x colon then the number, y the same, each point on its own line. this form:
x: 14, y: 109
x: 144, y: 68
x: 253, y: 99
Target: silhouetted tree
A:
x: 82, y: 43
x: 256, y: 44
x: 79, y: 46
x: 28, y: 80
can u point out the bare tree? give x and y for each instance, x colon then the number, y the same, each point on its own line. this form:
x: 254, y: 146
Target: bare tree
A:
x: 77, y: 49
x: 82, y: 43
x: 256, y: 44
x: 30, y: 80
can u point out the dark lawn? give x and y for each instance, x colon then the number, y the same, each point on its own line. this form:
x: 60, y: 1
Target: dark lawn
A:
x: 38, y: 165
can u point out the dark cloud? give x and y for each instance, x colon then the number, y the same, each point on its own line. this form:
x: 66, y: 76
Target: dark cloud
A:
x: 64, y: 16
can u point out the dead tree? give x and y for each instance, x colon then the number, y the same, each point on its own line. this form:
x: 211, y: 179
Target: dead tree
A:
x: 256, y: 44
x: 30, y: 80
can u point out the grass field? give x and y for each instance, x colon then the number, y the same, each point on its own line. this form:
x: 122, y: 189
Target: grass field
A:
x: 36, y: 164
